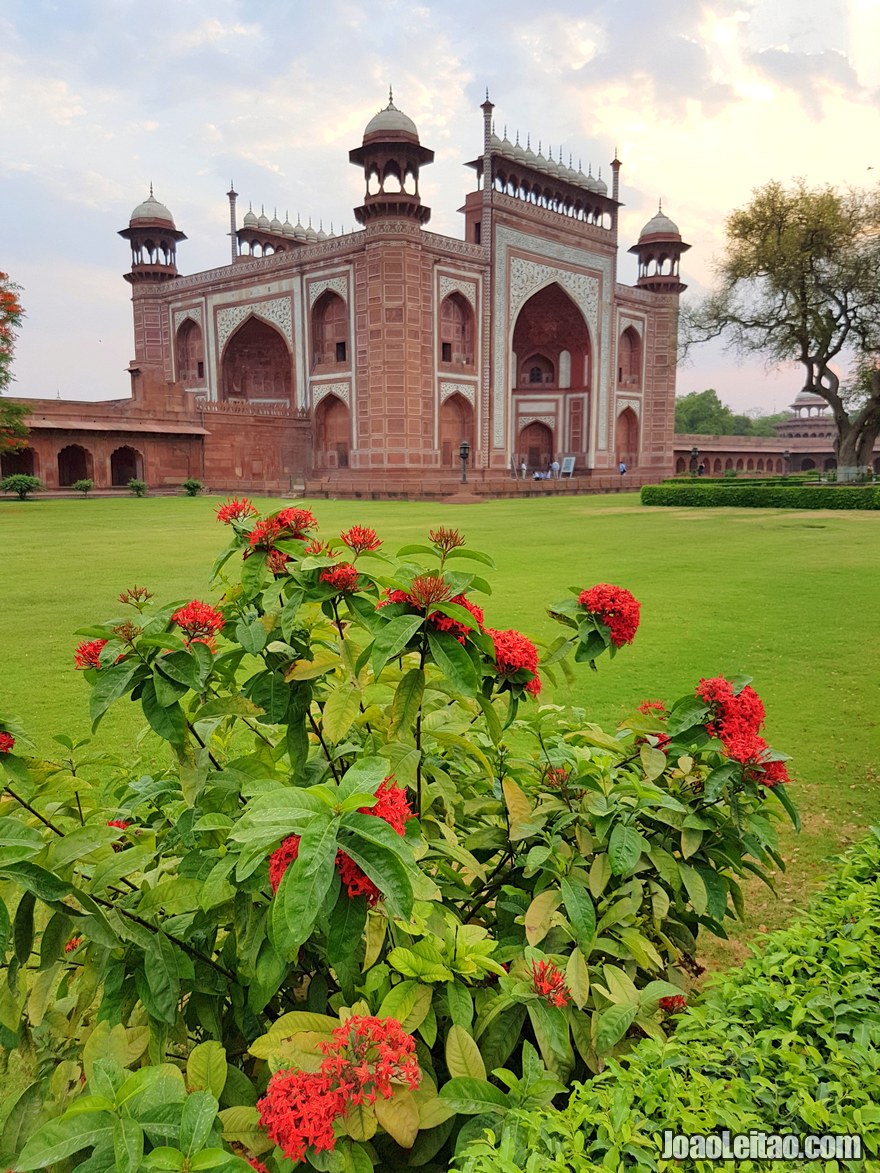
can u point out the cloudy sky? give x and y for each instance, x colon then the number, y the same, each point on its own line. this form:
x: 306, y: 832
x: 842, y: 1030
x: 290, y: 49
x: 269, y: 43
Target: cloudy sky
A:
x: 99, y: 98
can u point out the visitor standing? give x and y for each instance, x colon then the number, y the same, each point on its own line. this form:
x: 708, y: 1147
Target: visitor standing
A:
x: 554, y: 468
x: 622, y: 467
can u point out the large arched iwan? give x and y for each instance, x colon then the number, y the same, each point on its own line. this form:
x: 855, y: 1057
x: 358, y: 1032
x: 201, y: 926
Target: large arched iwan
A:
x: 456, y: 424
x: 332, y: 433
x: 550, y: 325
x: 256, y: 365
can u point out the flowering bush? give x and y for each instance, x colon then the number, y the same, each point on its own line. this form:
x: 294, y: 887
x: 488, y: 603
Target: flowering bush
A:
x: 378, y: 896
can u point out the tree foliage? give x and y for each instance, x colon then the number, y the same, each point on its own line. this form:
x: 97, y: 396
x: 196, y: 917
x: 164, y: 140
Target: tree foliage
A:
x: 702, y: 413
x: 11, y: 314
x: 797, y: 282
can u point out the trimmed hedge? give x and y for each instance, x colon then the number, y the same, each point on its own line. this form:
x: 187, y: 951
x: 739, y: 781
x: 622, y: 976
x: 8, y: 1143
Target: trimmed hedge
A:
x: 807, y: 478
x: 789, y: 1042
x: 741, y: 495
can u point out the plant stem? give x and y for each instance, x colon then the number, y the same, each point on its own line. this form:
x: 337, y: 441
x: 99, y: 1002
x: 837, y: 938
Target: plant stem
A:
x: 320, y: 736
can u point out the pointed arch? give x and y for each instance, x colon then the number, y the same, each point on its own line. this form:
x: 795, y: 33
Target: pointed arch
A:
x: 535, y: 446
x: 629, y: 358
x: 456, y: 424
x: 75, y: 463
x: 626, y: 438
x: 19, y: 460
x: 256, y: 365
x: 547, y: 324
x: 331, y: 346
x: 332, y: 433
x: 126, y: 464
x: 190, y: 347
x: 456, y: 331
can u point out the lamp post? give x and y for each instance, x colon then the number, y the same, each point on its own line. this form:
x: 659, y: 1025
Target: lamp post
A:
x: 786, y: 462
x: 464, y: 451
x: 695, y: 459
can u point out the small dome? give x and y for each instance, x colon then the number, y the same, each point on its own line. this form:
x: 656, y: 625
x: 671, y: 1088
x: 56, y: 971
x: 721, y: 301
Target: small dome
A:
x: 506, y: 146
x: 276, y: 225
x: 287, y: 228
x: 151, y: 209
x: 552, y: 165
x: 540, y: 162
x: 601, y: 185
x: 807, y: 398
x: 263, y: 220
x: 298, y: 231
x: 390, y: 121
x: 322, y: 235
x: 518, y: 151
x: 494, y: 141
x: 660, y: 225
x: 590, y: 183
x: 529, y: 155
x: 250, y: 218
x: 311, y: 234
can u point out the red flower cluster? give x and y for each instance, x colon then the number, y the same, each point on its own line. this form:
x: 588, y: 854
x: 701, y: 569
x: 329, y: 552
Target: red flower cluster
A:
x: 427, y: 591
x: 391, y: 805
x: 673, y: 1003
x: 7, y: 741
x: 88, y: 653
x: 122, y: 824
x: 735, y: 720
x: 342, y: 578
x: 649, y: 707
x: 199, y: 622
x: 73, y: 944
x: 616, y: 608
x: 285, y: 525
x: 360, y: 539
x: 513, y: 652
x: 365, y: 1057
x: 549, y: 983
x: 446, y: 539
x: 235, y: 508
x: 557, y: 776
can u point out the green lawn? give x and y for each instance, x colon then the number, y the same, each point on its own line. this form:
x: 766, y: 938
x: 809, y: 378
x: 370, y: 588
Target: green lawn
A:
x: 782, y: 596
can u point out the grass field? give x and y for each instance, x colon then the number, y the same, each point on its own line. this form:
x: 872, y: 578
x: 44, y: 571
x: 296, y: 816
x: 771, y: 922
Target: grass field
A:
x: 786, y: 597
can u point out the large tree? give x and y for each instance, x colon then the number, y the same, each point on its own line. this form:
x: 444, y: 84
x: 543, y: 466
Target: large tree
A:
x: 703, y: 413
x: 13, y: 428
x: 799, y: 280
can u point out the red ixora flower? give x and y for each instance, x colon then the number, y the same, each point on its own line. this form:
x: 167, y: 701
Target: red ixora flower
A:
x: 391, y: 805
x: 425, y: 592
x: 557, y: 776
x: 513, y: 653
x: 364, y: 1058
x: 649, y: 707
x: 549, y: 983
x: 73, y: 944
x: 360, y: 539
x: 87, y: 655
x: 616, y: 608
x: 673, y: 1003
x: 257, y: 1164
x: 7, y: 741
x: 342, y: 578
x: 199, y: 622
x: 735, y: 719
x: 235, y: 508
x: 446, y: 539
x: 122, y: 824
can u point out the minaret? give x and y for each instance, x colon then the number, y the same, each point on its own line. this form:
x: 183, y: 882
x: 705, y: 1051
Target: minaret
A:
x: 153, y: 239
x: 232, y: 194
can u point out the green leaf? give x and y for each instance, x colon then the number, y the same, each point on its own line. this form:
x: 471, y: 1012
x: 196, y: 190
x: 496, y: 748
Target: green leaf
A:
x: 382, y: 865
x: 551, y: 1034
x: 252, y: 636
x: 304, y: 886
x: 206, y: 1068
x: 577, y: 978
x: 613, y: 1025
x: 408, y: 1002
x: 653, y: 761
x: 463, y: 1055
x: 167, y: 689
x: 162, y: 976
x: 196, y: 1121
x: 57, y: 1139
x: 474, y: 555
x: 393, y: 638
x: 691, y: 838
x: 624, y: 848
x: 695, y: 888
x: 461, y: 1004
x: 23, y: 928
x: 539, y: 914
x: 781, y: 795
x: 581, y: 913
x: 454, y: 662
x: 600, y: 874
x: 128, y: 1145
x: 18, y: 841
x: 111, y: 683
x: 345, y: 930
x: 399, y: 1116
x: 167, y: 721
x: 406, y: 702
x: 415, y: 965
x: 471, y: 1096
x: 339, y: 711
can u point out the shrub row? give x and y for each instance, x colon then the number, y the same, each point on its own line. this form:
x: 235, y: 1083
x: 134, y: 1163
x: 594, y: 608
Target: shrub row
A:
x: 787, y: 1043
x: 734, y: 480
x: 749, y: 496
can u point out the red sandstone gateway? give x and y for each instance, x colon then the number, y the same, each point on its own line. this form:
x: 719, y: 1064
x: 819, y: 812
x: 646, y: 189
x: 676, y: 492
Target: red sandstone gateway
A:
x: 359, y: 362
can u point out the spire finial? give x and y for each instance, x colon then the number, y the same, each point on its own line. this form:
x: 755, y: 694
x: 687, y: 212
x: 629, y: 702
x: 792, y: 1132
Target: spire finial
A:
x: 517, y: 138
x: 487, y: 93
x: 390, y: 97
x: 151, y: 189
x: 660, y: 206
